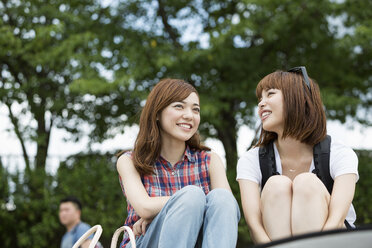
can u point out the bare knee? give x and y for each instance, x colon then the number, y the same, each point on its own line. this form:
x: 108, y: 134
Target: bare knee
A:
x: 308, y: 185
x: 276, y: 187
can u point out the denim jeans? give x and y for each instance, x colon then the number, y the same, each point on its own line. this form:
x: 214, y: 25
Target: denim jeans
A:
x: 192, y: 219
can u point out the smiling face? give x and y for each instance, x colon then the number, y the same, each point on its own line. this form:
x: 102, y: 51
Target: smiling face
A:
x: 303, y: 117
x: 180, y: 120
x: 270, y: 110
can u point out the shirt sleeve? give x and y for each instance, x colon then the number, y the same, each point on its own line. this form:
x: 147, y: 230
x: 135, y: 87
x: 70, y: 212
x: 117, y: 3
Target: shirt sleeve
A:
x: 343, y: 160
x: 82, y: 228
x: 249, y: 166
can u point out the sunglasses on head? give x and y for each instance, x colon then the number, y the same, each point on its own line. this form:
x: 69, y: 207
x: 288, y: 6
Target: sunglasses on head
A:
x: 301, y: 70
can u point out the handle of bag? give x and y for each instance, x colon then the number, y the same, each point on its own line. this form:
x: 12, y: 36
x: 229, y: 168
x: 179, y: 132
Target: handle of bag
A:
x: 98, y: 231
x: 132, y: 239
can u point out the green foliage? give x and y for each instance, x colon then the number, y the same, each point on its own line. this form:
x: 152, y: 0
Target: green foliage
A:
x: 242, y: 42
x: 29, y: 218
x: 65, y: 63
x: 28, y: 214
x: 94, y: 180
x: 244, y: 239
x: 363, y: 193
x: 96, y: 64
x: 45, y: 46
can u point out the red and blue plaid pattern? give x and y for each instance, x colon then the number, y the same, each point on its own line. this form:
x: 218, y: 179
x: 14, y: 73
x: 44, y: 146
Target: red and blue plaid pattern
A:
x: 191, y: 170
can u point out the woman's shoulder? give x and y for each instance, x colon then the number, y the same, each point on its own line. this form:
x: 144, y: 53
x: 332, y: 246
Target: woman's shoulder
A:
x: 343, y: 159
x: 213, y: 155
x: 340, y: 147
x: 248, y: 159
x: 125, y: 159
x: 248, y: 166
x: 251, y: 153
x: 125, y: 153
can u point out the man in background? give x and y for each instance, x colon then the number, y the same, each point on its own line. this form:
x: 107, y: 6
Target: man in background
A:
x: 69, y: 216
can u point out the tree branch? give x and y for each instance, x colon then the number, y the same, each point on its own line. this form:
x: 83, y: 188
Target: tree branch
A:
x: 168, y: 28
x: 18, y: 133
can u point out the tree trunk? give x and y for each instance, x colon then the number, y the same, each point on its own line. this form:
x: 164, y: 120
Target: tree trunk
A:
x: 38, y: 176
x: 43, y: 140
x: 227, y: 134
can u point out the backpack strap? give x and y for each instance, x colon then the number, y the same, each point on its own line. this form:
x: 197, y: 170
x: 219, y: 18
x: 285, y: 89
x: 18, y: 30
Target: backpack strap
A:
x: 266, y: 157
x: 322, y: 152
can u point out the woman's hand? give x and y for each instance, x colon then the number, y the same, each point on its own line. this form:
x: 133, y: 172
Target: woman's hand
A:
x: 139, y: 228
x: 332, y: 226
x: 341, y: 198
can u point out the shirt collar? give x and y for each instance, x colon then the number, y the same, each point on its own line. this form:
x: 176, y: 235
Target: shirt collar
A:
x: 189, y: 154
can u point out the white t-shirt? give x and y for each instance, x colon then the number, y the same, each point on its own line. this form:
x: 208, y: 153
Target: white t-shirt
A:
x: 343, y: 160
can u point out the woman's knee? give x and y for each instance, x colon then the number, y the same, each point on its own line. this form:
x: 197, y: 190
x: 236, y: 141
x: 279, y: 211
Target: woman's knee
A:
x: 191, y: 197
x: 308, y: 185
x: 224, y: 201
x: 277, y: 187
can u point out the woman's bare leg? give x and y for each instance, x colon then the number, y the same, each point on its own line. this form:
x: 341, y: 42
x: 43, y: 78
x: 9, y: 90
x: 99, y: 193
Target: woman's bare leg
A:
x: 309, y: 204
x: 276, y: 202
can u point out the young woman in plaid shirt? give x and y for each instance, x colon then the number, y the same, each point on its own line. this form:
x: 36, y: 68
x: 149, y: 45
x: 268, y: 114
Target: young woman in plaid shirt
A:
x: 176, y: 189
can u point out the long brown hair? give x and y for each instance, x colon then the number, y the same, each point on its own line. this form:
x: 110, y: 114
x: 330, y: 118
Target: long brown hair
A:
x: 148, y: 143
x: 304, y: 116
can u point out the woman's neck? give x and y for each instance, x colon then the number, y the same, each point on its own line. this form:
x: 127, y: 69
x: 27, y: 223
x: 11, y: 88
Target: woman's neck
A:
x: 290, y: 147
x: 172, y: 150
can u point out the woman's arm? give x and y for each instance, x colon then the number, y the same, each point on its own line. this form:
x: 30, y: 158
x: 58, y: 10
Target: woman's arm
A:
x: 217, y: 173
x: 145, y: 206
x: 341, y: 198
x: 250, y: 197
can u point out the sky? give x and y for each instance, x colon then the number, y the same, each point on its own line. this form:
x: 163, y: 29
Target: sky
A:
x: 352, y: 134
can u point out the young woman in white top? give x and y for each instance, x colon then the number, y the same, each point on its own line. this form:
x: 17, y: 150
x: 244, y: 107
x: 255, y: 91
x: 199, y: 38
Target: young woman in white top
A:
x: 295, y: 201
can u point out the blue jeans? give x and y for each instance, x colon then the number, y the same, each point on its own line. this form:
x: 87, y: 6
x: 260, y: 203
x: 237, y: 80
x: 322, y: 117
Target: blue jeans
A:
x: 192, y: 219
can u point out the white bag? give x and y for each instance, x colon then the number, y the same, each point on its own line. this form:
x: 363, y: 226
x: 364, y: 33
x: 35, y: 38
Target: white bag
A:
x: 116, y: 235
x: 97, y: 229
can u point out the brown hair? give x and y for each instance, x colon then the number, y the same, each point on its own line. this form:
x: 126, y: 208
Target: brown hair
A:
x: 148, y: 143
x: 304, y: 116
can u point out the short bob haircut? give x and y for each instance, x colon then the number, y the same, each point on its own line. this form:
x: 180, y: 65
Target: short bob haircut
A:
x: 148, y: 143
x: 304, y: 116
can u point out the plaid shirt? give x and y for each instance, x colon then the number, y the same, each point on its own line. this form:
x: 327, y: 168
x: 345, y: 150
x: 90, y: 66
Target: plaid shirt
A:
x: 167, y: 180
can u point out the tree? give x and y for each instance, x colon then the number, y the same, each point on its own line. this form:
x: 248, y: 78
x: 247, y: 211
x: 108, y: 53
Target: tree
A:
x: 44, y: 47
x: 245, y: 41
x: 92, y: 177
x: 357, y: 37
x: 66, y: 63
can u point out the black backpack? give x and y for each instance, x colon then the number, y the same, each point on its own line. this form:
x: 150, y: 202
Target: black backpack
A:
x: 321, y: 152
x: 321, y: 162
